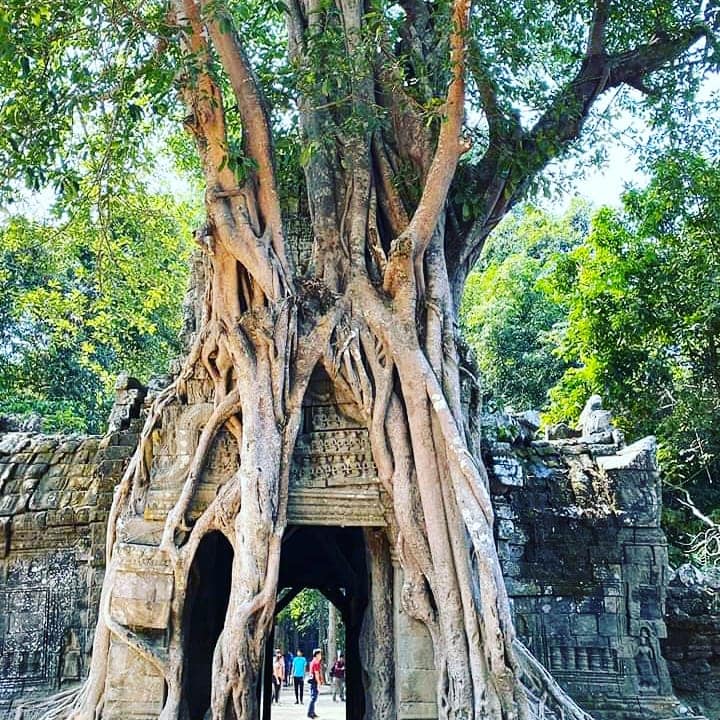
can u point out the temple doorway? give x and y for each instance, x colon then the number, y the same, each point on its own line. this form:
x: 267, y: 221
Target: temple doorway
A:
x: 332, y: 561
x: 208, y: 595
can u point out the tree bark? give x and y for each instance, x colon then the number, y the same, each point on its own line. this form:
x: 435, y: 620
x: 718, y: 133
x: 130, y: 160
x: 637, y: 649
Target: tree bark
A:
x: 331, y: 636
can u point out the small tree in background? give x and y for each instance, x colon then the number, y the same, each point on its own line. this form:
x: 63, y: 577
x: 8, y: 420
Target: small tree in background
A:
x: 506, y: 316
x: 84, y: 300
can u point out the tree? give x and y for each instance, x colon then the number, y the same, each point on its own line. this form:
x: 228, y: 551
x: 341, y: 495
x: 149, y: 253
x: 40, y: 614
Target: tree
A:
x: 642, y: 327
x: 83, y: 302
x: 402, y: 195
x: 306, y: 613
x: 507, y: 317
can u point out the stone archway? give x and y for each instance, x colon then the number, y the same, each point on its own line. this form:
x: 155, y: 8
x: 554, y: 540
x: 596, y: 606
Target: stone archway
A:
x: 333, y: 561
x: 337, y: 502
x: 206, y: 605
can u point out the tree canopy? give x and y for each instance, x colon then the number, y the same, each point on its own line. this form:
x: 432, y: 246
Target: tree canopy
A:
x: 92, y: 100
x: 402, y: 132
x: 506, y: 316
x: 89, y: 90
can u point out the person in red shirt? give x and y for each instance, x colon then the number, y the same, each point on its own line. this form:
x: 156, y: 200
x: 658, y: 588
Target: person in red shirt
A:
x: 316, y: 680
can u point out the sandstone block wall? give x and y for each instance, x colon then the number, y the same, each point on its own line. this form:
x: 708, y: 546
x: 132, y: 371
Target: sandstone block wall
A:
x: 585, y: 563
x: 55, y: 493
x: 415, y: 677
x: 577, y: 529
x: 692, y: 647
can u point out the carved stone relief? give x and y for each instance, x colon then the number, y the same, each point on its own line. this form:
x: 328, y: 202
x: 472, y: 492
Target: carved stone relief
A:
x: 38, y: 601
x: 333, y: 479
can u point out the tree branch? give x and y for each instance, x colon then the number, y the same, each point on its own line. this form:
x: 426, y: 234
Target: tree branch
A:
x: 418, y: 35
x: 502, y: 178
x: 203, y: 100
x: 450, y: 147
x: 418, y: 15
x: 257, y: 133
x: 596, y: 36
x: 564, y: 119
x: 500, y: 124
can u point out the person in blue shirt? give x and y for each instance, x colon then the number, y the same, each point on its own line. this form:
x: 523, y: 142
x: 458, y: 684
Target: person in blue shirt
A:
x: 299, y: 664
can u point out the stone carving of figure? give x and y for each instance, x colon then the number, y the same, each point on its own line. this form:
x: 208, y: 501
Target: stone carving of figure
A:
x: 596, y: 423
x: 35, y: 663
x: 645, y: 664
x: 23, y: 663
x: 7, y: 663
x: 71, y: 658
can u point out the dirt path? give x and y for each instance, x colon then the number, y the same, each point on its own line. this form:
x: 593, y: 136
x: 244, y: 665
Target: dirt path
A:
x: 325, y: 708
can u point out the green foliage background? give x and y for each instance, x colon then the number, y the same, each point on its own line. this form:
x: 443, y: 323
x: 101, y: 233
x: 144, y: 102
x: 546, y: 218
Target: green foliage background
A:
x: 87, y: 299
x: 625, y: 304
x: 507, y: 317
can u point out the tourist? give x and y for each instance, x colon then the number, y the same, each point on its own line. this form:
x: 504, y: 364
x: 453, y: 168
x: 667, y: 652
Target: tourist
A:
x: 298, y: 674
x: 278, y: 674
x: 316, y: 680
x: 288, y: 668
x: 338, y: 678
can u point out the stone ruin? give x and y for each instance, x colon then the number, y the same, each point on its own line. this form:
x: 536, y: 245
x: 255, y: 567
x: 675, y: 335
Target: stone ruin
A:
x: 578, y: 530
x: 692, y: 647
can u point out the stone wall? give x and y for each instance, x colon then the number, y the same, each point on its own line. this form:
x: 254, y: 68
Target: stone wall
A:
x: 585, y: 563
x: 692, y: 647
x: 55, y: 493
x: 577, y: 528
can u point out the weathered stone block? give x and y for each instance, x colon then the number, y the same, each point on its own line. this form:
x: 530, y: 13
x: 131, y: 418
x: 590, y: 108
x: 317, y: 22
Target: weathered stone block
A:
x: 415, y: 653
x: 557, y: 626
x: 608, y: 625
x: 69, y: 445
x: 592, y: 605
x: 639, y: 555
x: 5, y: 524
x: 118, y: 452
x: 583, y: 624
x: 142, y: 588
x: 134, y: 689
x: 417, y: 685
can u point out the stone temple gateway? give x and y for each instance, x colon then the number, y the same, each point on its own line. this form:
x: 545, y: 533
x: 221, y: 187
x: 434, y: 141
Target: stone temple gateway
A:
x: 336, y: 503
x: 577, y: 527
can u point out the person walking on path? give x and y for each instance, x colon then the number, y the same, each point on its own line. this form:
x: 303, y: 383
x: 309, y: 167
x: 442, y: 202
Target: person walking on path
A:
x: 338, y: 678
x: 278, y: 674
x: 316, y: 680
x: 288, y: 668
x: 299, y: 664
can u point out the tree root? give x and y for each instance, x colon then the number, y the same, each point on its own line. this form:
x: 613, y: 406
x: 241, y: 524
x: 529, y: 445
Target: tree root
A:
x: 176, y: 519
x: 54, y: 707
x: 548, y: 700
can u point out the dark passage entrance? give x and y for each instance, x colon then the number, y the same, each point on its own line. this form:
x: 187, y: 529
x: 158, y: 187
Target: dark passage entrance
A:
x: 331, y: 560
x: 208, y: 595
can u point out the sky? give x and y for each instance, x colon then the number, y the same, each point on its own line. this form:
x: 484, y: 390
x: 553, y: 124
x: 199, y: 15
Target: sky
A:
x: 601, y: 185
x: 604, y: 185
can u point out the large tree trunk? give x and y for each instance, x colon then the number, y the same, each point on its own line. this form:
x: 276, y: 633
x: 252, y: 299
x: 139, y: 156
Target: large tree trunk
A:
x: 375, y: 310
